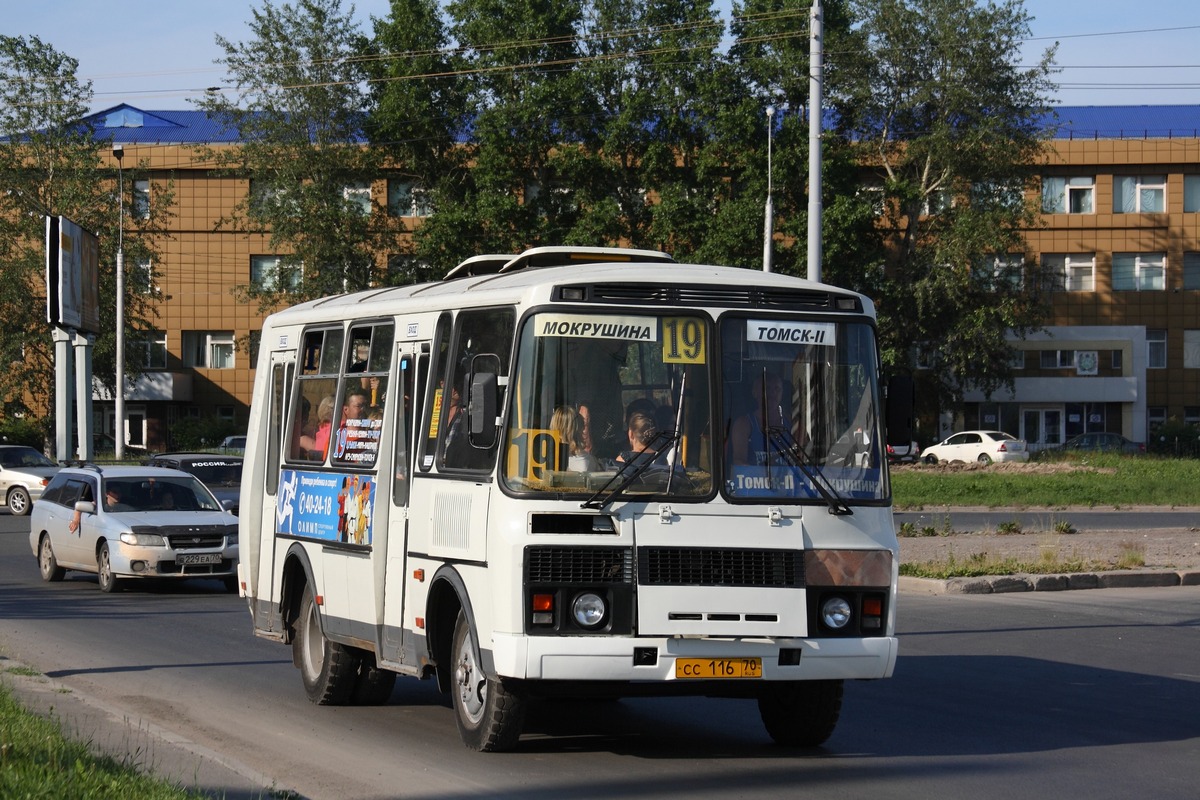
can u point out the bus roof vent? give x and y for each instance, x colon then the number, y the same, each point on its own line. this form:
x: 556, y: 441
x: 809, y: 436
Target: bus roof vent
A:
x: 716, y: 296
x: 553, y: 257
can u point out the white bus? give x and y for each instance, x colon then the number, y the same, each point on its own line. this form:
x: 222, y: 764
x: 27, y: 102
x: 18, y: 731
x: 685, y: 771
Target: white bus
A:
x: 575, y: 472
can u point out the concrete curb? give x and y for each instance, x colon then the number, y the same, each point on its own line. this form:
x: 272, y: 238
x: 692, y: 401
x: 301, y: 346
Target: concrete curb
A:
x: 997, y: 584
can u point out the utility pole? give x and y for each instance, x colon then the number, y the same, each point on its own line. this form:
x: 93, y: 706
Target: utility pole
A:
x: 119, y: 399
x: 815, y: 118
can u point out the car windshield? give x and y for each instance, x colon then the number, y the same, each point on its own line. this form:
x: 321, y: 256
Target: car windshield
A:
x: 158, y: 493
x: 15, y: 457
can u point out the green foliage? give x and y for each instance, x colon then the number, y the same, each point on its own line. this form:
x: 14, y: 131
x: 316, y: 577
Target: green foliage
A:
x: 296, y: 95
x: 50, y: 164
x: 201, y: 433
x: 22, y: 430
x: 36, y: 760
x: 942, y: 111
x: 981, y: 564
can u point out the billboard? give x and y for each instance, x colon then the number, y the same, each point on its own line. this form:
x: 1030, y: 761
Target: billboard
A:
x: 72, y: 276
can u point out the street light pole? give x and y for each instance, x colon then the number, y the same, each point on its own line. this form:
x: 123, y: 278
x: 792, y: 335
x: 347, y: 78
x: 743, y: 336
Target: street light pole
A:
x: 119, y: 399
x: 769, y: 220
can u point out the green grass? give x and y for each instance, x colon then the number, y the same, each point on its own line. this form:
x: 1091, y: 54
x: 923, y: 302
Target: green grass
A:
x: 37, y: 760
x: 980, y: 564
x: 1099, y: 481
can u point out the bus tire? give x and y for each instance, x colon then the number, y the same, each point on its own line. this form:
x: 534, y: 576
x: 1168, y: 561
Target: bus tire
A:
x: 800, y: 713
x: 328, y: 669
x: 373, y: 685
x: 489, y: 711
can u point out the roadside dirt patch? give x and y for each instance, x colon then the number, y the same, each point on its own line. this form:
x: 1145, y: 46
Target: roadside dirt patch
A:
x: 1162, y: 548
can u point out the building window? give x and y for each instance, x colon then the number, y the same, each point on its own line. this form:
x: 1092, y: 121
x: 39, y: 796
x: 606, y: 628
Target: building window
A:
x: 1139, y: 194
x: 269, y: 273
x: 996, y: 271
x: 148, y: 350
x: 406, y: 199
x: 357, y: 195
x: 1156, y: 417
x: 1057, y: 359
x: 142, y: 276
x: 938, y: 202
x: 872, y: 192
x: 141, y: 200
x: 1068, y: 195
x: 1191, y: 193
x: 252, y: 346
x: 1156, y: 348
x: 1191, y: 415
x: 1191, y: 270
x: 1018, y: 360
x: 1069, y: 272
x: 1118, y: 359
x: 1138, y: 272
x: 1191, y: 349
x: 208, y: 349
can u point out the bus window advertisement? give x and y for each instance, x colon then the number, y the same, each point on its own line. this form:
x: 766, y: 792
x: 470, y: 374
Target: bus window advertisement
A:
x: 330, y: 506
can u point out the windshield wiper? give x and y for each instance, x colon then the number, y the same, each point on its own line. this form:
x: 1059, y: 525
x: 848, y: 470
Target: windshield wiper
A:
x: 634, y: 467
x: 783, y: 443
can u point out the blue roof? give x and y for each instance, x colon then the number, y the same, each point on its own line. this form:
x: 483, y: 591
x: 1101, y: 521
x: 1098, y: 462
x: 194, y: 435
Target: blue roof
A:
x: 130, y: 125
x: 126, y: 124
x: 1126, y: 122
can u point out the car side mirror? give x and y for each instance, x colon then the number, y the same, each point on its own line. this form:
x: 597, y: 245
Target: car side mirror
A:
x: 85, y: 506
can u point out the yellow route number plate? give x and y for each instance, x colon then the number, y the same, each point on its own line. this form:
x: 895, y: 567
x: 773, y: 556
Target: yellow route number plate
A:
x: 718, y: 668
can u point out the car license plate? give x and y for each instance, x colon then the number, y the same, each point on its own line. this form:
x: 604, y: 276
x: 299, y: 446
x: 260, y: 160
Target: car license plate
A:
x: 198, y: 558
x: 718, y: 667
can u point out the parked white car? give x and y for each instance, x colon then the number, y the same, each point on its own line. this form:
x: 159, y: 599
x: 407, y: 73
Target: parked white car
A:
x: 982, y: 446
x: 24, y: 473
x: 132, y: 522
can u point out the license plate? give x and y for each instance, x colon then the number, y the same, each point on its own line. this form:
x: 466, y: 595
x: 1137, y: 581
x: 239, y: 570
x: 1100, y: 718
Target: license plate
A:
x: 198, y: 558
x: 718, y: 667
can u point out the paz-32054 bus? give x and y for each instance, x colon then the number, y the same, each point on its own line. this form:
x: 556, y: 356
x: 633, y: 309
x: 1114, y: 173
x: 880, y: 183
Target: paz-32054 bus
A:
x: 570, y: 472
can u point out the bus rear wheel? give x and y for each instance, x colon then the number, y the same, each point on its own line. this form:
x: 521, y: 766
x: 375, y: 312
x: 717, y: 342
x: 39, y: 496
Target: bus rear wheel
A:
x: 489, y: 711
x: 800, y: 713
x: 328, y: 669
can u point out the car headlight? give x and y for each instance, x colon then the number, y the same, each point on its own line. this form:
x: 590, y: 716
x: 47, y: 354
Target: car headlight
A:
x: 836, y: 613
x: 143, y: 539
x: 589, y: 610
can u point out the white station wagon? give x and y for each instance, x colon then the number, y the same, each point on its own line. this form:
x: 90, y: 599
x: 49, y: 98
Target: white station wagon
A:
x: 132, y: 522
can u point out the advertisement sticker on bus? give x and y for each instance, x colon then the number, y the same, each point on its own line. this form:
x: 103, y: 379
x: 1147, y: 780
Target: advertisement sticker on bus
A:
x: 330, y: 506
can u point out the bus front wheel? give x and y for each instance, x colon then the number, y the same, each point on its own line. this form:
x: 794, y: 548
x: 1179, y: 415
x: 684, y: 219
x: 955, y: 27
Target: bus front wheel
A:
x: 489, y: 712
x: 800, y: 713
x: 328, y: 669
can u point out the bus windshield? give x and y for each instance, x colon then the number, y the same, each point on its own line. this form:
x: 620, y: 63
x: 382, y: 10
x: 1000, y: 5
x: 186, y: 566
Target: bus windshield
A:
x: 611, y: 402
x: 800, y: 411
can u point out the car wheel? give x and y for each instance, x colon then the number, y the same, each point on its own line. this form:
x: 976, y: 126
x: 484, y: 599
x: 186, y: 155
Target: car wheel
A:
x: 328, y: 669
x: 931, y: 459
x: 984, y: 459
x: 18, y: 501
x: 108, y: 582
x: 47, y: 563
x: 489, y: 711
x: 800, y: 713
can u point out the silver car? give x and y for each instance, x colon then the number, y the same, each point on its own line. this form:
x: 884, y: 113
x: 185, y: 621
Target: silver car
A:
x: 24, y: 473
x: 123, y: 523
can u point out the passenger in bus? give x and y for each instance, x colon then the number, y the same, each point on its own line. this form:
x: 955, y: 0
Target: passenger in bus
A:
x: 318, y: 443
x: 749, y: 440
x: 644, y: 440
x: 568, y: 423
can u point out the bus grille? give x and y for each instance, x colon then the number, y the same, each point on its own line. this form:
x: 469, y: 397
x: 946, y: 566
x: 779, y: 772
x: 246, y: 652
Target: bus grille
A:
x: 699, y: 566
x: 721, y: 296
x: 187, y: 537
x: 578, y: 565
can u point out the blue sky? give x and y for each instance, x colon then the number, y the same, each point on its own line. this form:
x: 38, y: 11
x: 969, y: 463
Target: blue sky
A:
x: 160, y: 53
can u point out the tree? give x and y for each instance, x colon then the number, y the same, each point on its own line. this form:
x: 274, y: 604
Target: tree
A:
x: 419, y: 99
x: 951, y: 126
x: 49, y: 163
x: 298, y: 100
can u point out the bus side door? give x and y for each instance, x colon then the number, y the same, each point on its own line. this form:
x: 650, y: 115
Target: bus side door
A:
x: 413, y: 367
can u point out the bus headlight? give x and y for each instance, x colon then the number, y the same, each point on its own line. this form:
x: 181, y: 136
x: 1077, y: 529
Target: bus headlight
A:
x: 589, y: 610
x: 836, y: 613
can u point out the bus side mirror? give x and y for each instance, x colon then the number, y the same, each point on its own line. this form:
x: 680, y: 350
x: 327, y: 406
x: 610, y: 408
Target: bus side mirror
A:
x: 483, y: 403
x: 900, y: 405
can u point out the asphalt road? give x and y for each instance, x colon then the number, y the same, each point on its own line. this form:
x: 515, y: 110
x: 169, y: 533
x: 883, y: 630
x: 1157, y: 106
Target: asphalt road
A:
x: 1075, y: 694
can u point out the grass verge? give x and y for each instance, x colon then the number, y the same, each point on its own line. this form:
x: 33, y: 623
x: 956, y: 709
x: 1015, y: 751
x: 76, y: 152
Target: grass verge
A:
x: 37, y: 760
x: 1101, y: 481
